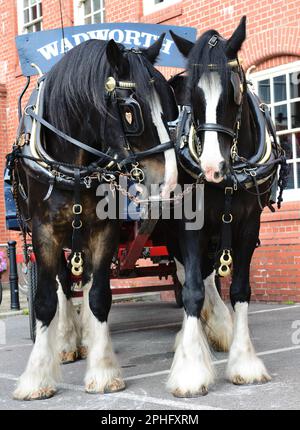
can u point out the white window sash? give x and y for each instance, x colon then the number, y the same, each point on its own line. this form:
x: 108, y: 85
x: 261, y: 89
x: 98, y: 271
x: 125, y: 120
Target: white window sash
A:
x: 149, y: 6
x: 21, y: 24
x: 286, y: 69
x: 79, y: 12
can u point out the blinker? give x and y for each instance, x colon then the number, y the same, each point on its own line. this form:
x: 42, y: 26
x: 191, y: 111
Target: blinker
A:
x: 132, y: 117
x: 237, y: 87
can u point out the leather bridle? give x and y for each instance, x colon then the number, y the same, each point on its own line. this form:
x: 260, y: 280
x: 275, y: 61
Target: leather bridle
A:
x: 233, y: 133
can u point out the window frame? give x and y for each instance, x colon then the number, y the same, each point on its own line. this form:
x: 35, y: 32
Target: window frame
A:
x: 21, y: 24
x: 150, y: 7
x: 286, y: 69
x: 79, y: 16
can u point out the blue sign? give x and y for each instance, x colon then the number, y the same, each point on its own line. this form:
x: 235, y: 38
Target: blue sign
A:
x: 45, y: 48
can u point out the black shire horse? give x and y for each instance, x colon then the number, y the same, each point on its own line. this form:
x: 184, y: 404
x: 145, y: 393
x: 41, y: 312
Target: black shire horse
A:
x: 215, y: 87
x: 123, y: 118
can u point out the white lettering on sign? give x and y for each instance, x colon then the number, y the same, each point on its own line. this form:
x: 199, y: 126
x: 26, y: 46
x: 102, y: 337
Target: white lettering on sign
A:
x: 98, y: 34
x: 128, y: 37
x: 80, y: 37
x: 50, y: 50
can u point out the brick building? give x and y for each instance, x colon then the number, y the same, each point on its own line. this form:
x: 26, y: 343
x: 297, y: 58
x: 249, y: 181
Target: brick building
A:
x: 273, y: 46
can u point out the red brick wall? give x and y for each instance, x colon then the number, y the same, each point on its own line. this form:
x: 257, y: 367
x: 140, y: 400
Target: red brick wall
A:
x: 273, y: 39
x: 275, y: 269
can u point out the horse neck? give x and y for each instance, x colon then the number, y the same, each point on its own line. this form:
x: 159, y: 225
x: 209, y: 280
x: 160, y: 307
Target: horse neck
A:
x: 66, y: 152
x: 247, y: 137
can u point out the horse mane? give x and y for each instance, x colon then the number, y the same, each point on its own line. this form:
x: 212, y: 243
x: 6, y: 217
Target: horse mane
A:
x: 202, y: 55
x: 74, y: 87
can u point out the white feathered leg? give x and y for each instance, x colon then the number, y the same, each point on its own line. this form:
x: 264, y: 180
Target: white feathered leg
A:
x: 43, y: 371
x: 68, y: 334
x: 192, y: 370
x: 244, y: 367
x: 103, y: 372
x: 85, y: 314
x: 218, y: 321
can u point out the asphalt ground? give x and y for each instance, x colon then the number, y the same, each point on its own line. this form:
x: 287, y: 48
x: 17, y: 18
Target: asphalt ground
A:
x: 143, y: 335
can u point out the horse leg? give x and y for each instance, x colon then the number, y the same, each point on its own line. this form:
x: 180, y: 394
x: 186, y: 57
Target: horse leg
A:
x: 192, y: 371
x: 244, y: 367
x: 43, y: 370
x: 68, y: 334
x: 216, y: 317
x: 103, y: 372
x: 85, y: 313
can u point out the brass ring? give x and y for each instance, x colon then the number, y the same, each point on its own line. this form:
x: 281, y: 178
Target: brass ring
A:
x: 76, y: 227
x: 225, y: 221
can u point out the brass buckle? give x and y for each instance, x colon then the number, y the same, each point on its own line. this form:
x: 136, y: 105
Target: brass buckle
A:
x: 77, y: 209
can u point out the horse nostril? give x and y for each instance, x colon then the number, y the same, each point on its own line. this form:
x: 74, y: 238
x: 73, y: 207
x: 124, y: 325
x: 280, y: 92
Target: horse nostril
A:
x: 217, y: 175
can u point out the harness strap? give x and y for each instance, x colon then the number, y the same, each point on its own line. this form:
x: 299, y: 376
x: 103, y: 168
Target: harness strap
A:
x: 133, y: 158
x: 81, y: 145
x: 226, y: 233
x: 216, y: 127
x: 105, y: 157
x: 76, y: 255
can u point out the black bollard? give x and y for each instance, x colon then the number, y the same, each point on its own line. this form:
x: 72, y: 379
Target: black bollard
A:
x: 13, y: 276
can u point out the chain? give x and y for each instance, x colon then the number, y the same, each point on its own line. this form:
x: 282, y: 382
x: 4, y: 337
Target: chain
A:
x: 115, y: 186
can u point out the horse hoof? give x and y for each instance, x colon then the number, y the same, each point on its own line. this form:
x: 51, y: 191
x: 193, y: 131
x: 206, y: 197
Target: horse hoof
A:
x: 115, y: 386
x: 239, y: 380
x: 68, y: 357
x: 41, y: 394
x: 203, y: 391
x: 83, y: 352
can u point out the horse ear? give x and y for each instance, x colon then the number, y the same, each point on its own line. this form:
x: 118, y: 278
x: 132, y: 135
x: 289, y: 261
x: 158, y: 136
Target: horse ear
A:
x: 183, y: 45
x: 153, y: 51
x: 234, y: 44
x: 114, y: 54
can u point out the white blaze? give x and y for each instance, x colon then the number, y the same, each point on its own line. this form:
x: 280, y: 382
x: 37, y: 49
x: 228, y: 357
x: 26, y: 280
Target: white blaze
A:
x: 170, y: 180
x: 211, y: 157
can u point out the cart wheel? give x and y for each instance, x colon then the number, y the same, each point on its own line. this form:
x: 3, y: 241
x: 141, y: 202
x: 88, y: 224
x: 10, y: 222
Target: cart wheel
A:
x: 32, y: 280
x: 178, y: 292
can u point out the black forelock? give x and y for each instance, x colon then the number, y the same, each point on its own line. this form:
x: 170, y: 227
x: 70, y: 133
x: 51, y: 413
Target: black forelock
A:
x: 202, y: 55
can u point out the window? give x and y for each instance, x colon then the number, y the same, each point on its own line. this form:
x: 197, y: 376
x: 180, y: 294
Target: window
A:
x: 280, y: 89
x: 89, y: 11
x: 150, y: 6
x: 30, y: 15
